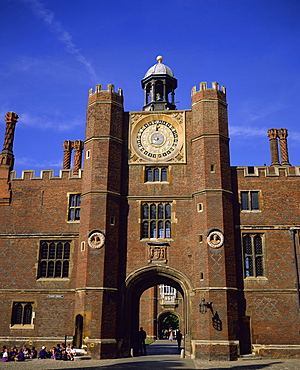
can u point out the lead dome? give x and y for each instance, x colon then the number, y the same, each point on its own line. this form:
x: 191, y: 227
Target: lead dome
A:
x: 159, y: 69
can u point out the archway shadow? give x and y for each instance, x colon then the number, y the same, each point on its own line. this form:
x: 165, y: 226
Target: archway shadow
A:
x: 172, y: 364
x: 169, y: 364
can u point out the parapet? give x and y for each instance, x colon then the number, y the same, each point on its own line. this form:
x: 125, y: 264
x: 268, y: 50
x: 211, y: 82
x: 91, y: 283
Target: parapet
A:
x: 110, y: 89
x: 203, y: 87
x: 47, y: 175
x: 268, y: 171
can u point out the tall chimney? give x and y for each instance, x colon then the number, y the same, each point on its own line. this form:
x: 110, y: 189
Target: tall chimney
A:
x: 272, y: 135
x: 283, y: 134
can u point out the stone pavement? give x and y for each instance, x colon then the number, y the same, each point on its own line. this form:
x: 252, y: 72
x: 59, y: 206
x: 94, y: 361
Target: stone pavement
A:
x: 162, y: 355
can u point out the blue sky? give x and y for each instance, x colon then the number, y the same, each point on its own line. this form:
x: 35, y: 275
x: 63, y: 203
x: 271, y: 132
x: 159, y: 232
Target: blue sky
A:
x: 54, y: 51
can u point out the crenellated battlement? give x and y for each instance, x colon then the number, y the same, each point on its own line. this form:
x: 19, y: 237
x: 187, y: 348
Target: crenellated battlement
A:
x: 203, y: 87
x: 267, y: 171
x: 64, y: 174
x: 110, y: 89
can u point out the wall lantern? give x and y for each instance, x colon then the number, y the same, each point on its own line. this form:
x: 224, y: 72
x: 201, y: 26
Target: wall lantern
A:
x: 204, y: 306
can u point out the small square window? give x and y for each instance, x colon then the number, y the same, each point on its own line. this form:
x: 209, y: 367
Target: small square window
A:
x: 250, y: 201
x: 74, y: 207
x: 22, y: 313
x: 156, y: 174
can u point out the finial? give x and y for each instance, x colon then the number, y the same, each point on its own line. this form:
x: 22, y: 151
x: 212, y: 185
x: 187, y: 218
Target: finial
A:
x: 159, y: 59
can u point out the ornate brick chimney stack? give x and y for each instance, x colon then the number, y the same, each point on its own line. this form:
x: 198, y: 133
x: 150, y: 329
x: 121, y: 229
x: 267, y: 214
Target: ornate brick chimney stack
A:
x: 272, y: 135
x: 7, y: 157
x: 78, y: 147
x: 283, y: 134
x: 68, y: 146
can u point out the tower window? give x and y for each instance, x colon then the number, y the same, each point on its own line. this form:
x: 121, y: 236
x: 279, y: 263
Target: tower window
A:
x: 74, y: 207
x: 253, y: 255
x: 54, y: 259
x: 156, y: 174
x: 250, y: 201
x: 156, y: 220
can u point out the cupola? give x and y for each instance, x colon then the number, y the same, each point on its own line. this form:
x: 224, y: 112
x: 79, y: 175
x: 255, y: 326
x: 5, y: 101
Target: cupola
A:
x: 159, y: 84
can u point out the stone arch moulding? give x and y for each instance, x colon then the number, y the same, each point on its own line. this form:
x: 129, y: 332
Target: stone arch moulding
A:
x: 140, y: 280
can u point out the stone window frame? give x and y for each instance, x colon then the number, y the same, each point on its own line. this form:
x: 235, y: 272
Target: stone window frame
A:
x: 26, y: 315
x: 251, y: 206
x: 253, y: 255
x: 158, y: 228
x: 73, y: 207
x: 54, y: 263
x: 155, y: 174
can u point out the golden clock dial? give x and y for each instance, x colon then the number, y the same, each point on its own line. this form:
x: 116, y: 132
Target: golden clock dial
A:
x: 157, y: 139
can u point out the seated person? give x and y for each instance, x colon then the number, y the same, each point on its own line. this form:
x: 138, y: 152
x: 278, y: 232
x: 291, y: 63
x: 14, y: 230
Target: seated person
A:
x: 43, y: 353
x: 33, y: 353
x: 19, y: 356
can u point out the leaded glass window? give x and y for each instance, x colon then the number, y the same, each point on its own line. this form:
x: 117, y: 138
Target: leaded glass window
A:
x: 54, y: 259
x: 22, y: 313
x: 250, y: 201
x: 156, y: 174
x: 74, y: 207
x: 253, y: 255
x: 156, y: 223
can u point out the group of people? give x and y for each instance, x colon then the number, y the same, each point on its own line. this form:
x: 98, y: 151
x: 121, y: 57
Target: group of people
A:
x: 17, y: 354
x: 60, y: 352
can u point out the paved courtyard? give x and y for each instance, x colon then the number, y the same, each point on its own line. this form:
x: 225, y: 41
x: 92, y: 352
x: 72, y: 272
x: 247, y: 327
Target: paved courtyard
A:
x: 161, y: 355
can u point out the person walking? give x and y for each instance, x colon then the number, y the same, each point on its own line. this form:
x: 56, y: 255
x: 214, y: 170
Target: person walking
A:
x: 178, y: 338
x: 142, y: 344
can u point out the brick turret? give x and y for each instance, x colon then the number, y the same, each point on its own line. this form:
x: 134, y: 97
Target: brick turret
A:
x: 212, y: 195
x: 97, y: 268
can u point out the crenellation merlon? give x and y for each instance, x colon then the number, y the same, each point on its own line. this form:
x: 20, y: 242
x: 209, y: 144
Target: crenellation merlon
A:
x: 268, y: 171
x: 46, y: 175
x: 110, y: 89
x: 203, y: 87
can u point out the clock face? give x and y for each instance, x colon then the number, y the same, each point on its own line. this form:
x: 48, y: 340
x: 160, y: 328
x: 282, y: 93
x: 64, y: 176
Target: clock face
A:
x: 157, y: 139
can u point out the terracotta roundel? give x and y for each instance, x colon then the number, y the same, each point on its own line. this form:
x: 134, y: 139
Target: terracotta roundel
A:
x: 215, y: 239
x: 96, y: 240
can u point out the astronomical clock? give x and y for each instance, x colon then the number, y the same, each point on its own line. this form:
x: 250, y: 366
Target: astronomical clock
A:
x: 157, y: 137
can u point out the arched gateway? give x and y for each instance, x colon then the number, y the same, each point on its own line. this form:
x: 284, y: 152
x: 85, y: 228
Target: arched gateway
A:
x: 140, y: 280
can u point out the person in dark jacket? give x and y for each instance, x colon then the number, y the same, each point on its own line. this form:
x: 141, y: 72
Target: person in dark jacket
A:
x: 43, y: 353
x: 20, y: 356
x: 178, y: 338
x: 142, y: 345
